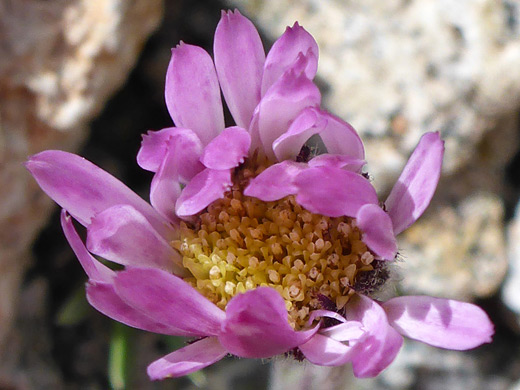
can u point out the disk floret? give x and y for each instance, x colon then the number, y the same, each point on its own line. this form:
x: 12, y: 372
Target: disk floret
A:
x: 240, y: 243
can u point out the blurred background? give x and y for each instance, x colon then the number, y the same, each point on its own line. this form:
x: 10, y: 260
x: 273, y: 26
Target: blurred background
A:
x: 88, y: 76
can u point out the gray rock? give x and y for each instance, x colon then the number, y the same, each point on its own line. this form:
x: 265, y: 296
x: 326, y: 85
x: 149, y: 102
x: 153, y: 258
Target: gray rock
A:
x: 511, y: 287
x: 456, y: 251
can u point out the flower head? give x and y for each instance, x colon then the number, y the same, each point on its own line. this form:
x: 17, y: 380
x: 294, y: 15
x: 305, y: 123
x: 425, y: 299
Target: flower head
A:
x: 253, y: 243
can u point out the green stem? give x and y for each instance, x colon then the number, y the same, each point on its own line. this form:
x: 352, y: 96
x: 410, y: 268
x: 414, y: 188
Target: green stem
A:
x: 120, y: 357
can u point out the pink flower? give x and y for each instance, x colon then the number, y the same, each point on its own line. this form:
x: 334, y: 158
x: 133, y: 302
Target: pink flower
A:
x: 251, y: 243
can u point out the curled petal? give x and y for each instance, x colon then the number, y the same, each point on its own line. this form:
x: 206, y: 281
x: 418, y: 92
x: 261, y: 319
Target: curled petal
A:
x: 155, y: 145
x: 179, y: 165
x: 186, y: 360
x: 94, y: 269
x: 338, y: 161
x: 228, y: 149
x: 276, y: 182
x: 122, y: 234
x: 304, y: 126
x: 239, y: 59
x: 284, y: 53
x: 347, y: 331
x: 192, y: 92
x: 415, y: 187
x: 165, y: 188
x: 338, y: 136
x: 377, y: 230
x: 325, y: 313
x: 103, y: 297
x: 439, y: 322
x: 379, y: 346
x: 153, y: 148
x: 333, y: 192
x: 202, y: 190
x: 282, y: 103
x: 84, y: 189
x: 256, y: 325
x: 325, y: 351
x: 166, y: 297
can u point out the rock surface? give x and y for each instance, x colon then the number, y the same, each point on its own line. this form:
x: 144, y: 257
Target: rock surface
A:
x: 511, y: 287
x: 60, y: 60
x: 398, y: 68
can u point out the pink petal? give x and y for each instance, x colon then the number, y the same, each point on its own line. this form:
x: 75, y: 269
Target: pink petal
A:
x: 333, y: 192
x: 155, y: 145
x: 325, y: 313
x: 239, y: 59
x: 377, y: 230
x: 192, y: 92
x: 180, y: 164
x: 304, y: 126
x: 123, y: 235
x: 325, y: 351
x: 153, y: 148
x: 439, y: 322
x: 256, y: 325
x: 347, y: 331
x: 284, y: 53
x: 202, y: 190
x: 192, y: 357
x: 338, y: 136
x: 228, y: 149
x: 103, y: 297
x: 282, y: 103
x: 94, y: 269
x: 379, y: 346
x: 169, y: 299
x: 415, y: 187
x: 84, y: 190
x: 276, y: 182
x: 338, y: 161
x: 165, y: 188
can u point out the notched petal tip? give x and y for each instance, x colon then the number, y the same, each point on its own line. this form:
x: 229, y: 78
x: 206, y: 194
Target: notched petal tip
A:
x: 239, y: 60
x: 295, y: 49
x: 228, y: 149
x: 192, y: 92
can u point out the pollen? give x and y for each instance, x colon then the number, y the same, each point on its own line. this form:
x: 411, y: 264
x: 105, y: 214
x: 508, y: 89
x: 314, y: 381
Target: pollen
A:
x: 240, y: 243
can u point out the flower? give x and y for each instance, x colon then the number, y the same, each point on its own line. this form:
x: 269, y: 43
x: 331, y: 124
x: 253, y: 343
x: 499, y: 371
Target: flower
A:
x: 253, y: 243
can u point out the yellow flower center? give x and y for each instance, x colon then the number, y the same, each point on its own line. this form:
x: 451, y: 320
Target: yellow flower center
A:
x: 240, y: 243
